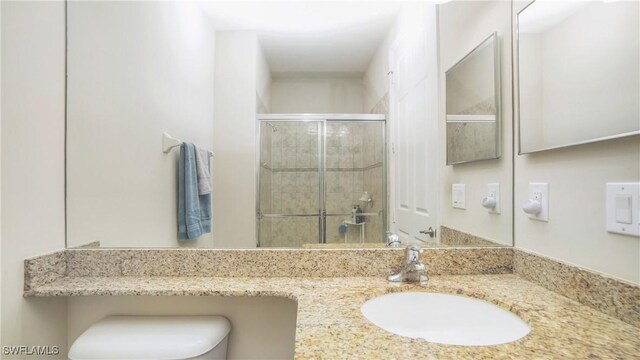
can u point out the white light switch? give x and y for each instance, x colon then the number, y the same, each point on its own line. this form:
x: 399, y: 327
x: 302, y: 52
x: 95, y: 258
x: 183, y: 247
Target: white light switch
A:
x: 458, y: 196
x: 623, y: 212
x: 623, y: 208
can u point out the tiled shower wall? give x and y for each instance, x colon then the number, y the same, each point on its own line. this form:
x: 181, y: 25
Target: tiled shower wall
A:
x: 374, y: 175
x: 290, y: 180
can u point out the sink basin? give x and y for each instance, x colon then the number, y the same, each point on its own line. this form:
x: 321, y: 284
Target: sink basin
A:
x: 444, y: 319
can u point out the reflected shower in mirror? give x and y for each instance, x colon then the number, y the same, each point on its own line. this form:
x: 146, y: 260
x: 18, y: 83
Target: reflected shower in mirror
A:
x: 473, y: 105
x: 321, y: 182
x: 578, y: 72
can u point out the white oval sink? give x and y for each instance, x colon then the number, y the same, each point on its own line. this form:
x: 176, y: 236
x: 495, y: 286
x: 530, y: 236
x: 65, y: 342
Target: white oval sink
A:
x: 445, y: 319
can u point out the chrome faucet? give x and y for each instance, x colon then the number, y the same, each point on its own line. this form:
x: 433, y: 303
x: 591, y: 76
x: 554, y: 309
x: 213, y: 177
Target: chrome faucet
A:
x: 393, y: 240
x: 413, y: 270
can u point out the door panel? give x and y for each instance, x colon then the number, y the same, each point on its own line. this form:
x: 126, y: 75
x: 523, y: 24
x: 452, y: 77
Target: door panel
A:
x: 414, y: 119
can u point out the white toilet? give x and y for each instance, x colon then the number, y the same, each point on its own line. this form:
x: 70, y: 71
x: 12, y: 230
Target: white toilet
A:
x: 154, y: 337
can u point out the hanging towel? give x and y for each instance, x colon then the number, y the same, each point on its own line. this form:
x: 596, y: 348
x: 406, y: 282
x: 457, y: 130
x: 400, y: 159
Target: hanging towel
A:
x: 204, y: 175
x: 194, y: 210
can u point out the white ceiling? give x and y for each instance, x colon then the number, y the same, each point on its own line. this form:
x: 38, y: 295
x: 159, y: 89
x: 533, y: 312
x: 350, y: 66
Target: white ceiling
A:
x: 542, y: 15
x: 304, y: 36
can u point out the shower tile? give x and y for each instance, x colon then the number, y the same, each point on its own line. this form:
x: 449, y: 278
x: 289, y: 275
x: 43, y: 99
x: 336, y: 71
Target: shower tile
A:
x: 333, y: 135
x: 332, y: 181
x: 307, y: 135
x: 290, y: 158
x: 312, y: 182
x: 277, y: 160
x: 289, y: 140
x: 288, y: 182
x: 334, y: 203
x: 348, y: 181
x: 358, y: 160
x: 346, y: 158
x: 345, y: 136
x: 276, y: 204
x: 358, y: 135
x: 289, y: 203
x: 358, y: 181
x: 332, y: 232
x: 355, y: 198
x: 333, y: 161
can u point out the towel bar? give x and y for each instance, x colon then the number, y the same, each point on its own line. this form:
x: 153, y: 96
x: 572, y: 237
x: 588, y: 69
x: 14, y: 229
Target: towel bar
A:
x: 169, y: 142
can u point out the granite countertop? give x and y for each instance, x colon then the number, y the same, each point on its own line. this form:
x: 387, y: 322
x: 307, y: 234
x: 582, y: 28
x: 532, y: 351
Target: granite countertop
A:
x: 331, y: 326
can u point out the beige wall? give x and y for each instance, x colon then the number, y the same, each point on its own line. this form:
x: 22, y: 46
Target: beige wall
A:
x: 263, y: 78
x: 576, y: 231
x: 261, y: 327
x: 462, y: 26
x: 598, y: 94
x: 130, y: 80
x: 376, y: 78
x: 1, y: 272
x: 32, y: 165
x: 317, y: 94
x: 234, y: 140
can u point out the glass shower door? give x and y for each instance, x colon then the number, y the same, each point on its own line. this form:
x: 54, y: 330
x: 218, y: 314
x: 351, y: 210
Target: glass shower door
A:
x: 354, y: 176
x: 289, y: 205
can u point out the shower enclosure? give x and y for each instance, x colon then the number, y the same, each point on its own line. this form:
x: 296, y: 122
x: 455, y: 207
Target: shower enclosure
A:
x: 313, y: 170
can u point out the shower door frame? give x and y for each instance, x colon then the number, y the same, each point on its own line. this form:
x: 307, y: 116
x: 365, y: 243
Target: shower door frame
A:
x: 322, y: 119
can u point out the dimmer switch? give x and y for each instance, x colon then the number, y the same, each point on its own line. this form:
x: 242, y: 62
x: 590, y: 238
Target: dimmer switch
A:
x: 623, y: 208
x: 458, y: 196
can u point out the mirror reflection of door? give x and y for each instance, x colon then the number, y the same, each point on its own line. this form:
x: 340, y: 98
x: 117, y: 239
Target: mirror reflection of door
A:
x: 414, y: 115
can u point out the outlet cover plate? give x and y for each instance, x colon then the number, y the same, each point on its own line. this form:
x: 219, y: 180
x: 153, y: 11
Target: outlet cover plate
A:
x: 458, y: 196
x: 540, y: 192
x: 616, y: 221
x: 493, y: 190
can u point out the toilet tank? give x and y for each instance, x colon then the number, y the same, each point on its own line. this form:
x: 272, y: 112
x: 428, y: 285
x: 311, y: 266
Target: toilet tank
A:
x: 153, y: 337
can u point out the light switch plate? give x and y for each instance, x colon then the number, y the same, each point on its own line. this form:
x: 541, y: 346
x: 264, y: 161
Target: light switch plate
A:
x: 623, y: 208
x: 493, y: 190
x: 540, y: 192
x: 458, y: 196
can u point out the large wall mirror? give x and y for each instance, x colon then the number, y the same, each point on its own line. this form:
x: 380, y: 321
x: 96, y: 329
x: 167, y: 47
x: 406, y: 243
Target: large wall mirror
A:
x: 578, y: 72
x: 310, y: 144
x: 473, y: 105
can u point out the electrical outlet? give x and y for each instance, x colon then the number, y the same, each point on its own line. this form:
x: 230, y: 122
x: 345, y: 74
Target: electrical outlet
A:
x: 540, y: 192
x: 493, y: 193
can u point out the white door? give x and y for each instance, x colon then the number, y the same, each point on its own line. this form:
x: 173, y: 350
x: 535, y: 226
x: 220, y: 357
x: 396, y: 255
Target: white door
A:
x: 414, y: 127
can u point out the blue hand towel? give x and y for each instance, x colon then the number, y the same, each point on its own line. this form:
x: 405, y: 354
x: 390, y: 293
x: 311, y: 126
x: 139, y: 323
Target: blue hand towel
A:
x: 194, y: 210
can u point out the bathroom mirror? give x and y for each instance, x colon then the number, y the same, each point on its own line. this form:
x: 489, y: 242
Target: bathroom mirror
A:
x: 578, y: 72
x: 473, y: 105
x: 319, y: 122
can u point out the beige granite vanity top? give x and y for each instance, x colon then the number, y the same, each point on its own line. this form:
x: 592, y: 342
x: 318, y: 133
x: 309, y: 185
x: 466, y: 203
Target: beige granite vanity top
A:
x: 331, y: 326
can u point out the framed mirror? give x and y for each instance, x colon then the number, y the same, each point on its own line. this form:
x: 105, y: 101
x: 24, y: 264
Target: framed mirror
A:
x: 473, y: 105
x: 577, y: 71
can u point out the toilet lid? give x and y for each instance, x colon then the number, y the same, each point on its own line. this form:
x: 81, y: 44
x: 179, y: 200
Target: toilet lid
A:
x: 150, y: 337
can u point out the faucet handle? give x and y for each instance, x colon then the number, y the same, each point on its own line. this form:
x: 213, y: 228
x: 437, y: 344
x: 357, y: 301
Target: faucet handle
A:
x: 412, y: 254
